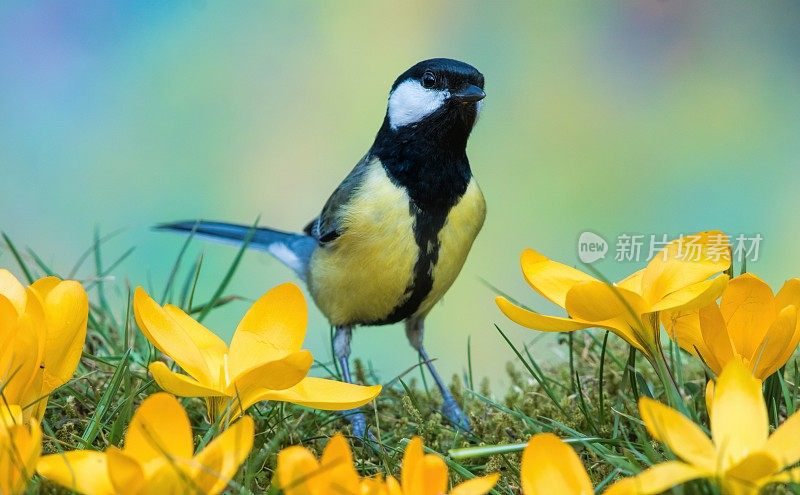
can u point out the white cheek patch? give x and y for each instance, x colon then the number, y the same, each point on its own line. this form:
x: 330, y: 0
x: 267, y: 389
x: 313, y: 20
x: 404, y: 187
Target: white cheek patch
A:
x: 410, y: 103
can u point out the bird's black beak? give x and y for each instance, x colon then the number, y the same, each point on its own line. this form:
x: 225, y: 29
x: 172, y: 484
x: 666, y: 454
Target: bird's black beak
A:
x: 470, y: 94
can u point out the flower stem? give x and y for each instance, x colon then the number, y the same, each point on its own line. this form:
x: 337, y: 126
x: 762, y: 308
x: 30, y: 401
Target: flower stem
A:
x: 659, y: 362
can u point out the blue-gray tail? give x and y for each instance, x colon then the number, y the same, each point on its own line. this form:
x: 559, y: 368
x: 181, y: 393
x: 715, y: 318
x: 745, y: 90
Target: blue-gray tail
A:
x: 293, y: 250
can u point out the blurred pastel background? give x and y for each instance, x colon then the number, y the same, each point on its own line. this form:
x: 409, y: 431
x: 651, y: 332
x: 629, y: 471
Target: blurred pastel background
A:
x: 617, y: 117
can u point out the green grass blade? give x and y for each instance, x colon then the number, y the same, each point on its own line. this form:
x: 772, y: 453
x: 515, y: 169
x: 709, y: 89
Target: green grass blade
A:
x: 176, y: 266
x: 542, y: 382
x: 105, y: 403
x: 24, y: 267
x: 187, y: 296
x: 86, y: 254
x: 40, y: 263
x: 469, y: 363
x: 229, y: 275
x: 601, y: 379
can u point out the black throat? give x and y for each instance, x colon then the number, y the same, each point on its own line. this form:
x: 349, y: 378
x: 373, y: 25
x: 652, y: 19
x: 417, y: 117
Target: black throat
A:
x: 429, y: 161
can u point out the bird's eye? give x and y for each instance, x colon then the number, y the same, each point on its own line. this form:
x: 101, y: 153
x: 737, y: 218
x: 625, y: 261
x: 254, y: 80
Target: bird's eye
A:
x: 428, y: 80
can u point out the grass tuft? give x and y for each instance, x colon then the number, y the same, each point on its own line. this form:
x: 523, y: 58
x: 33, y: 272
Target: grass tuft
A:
x: 588, y: 399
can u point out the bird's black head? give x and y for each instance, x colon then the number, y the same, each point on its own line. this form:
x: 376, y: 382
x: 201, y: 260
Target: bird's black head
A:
x: 436, y: 99
x: 422, y: 142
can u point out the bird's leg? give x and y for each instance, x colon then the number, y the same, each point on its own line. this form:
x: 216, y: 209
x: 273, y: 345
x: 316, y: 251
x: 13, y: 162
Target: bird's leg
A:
x: 341, y: 349
x: 450, y: 408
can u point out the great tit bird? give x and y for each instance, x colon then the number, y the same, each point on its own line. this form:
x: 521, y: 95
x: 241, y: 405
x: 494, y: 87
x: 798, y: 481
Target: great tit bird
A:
x: 393, y: 236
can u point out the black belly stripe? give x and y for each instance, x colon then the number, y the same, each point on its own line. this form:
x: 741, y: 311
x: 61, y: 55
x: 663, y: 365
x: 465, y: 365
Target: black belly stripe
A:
x: 426, y: 234
x: 430, y: 163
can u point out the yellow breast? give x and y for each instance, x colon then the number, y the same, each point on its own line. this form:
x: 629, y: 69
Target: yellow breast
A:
x: 361, y: 276
x: 367, y: 272
x: 456, y: 237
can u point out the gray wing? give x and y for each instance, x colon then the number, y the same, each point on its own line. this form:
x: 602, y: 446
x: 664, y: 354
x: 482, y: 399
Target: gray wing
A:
x: 327, y: 226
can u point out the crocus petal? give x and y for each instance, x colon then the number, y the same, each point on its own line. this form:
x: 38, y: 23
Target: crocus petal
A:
x: 632, y: 282
x: 709, y: 397
x: 739, y: 423
x: 790, y: 346
x: 179, y: 384
x: 8, y: 333
x: 125, y: 472
x: 412, y: 460
x: 13, y: 290
x: 218, y: 462
x: 683, y: 262
x: 748, y: 307
x: 317, y: 393
x: 66, y: 308
x: 337, y: 461
x: 166, y: 476
x: 657, y: 479
x: 750, y: 470
x: 274, y: 326
x: 544, y: 323
x: 45, y: 285
x: 211, y: 347
x: 683, y: 327
x: 21, y: 446
x: 159, y: 428
x: 549, y: 278
x: 551, y: 466
x: 611, y: 307
x: 782, y: 444
x: 24, y: 380
x: 537, y: 321
x: 393, y: 486
x: 374, y: 486
x: 789, y: 294
x: 597, y: 301
x: 693, y: 296
x: 279, y: 374
x: 84, y: 471
x: 720, y: 349
x: 778, y: 345
x: 10, y: 415
x: 788, y: 476
x: 173, y: 339
x: 429, y: 477
x: 476, y: 486
x: 299, y: 473
x: 681, y: 435
x: 8, y: 314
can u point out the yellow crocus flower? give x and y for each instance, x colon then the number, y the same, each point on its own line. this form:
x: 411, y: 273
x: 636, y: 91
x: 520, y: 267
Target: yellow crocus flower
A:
x: 741, y: 456
x: 42, y: 333
x: 551, y: 466
x: 157, y: 457
x: 300, y: 473
x: 426, y: 474
x: 750, y: 323
x: 677, y: 277
x: 20, y: 446
x: 264, y: 362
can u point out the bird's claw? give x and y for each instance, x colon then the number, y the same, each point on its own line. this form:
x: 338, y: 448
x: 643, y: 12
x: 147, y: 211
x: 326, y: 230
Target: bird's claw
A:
x: 453, y: 413
x: 358, y: 422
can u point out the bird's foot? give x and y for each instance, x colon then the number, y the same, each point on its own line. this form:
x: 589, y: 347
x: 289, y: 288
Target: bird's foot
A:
x: 453, y: 413
x: 358, y: 422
